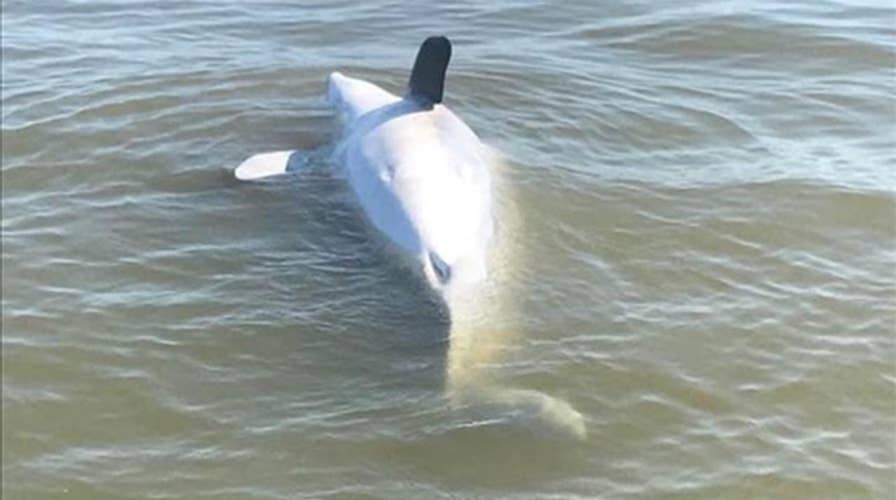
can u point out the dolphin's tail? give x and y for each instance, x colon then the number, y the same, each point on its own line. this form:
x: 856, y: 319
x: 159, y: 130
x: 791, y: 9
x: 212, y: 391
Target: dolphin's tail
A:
x: 471, y: 391
x: 483, y: 325
x: 520, y: 409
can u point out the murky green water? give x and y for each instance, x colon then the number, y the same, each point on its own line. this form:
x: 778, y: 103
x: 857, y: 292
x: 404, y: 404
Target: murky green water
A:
x: 701, y: 272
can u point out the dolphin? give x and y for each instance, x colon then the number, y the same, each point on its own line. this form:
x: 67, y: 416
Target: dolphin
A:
x: 419, y: 173
x: 423, y: 179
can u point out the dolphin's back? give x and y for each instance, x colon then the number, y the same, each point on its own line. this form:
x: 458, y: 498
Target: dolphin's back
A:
x: 420, y: 176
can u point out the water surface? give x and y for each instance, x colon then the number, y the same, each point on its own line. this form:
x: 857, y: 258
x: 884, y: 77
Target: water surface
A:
x: 703, y: 267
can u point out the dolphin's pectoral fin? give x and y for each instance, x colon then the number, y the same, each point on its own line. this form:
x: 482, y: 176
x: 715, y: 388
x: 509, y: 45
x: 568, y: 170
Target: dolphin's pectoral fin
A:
x: 441, y: 268
x: 267, y: 164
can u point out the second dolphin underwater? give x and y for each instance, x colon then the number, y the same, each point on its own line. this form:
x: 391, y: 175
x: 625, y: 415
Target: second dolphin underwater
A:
x: 424, y: 180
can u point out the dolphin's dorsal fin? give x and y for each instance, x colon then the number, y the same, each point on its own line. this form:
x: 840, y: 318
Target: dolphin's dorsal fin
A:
x: 428, y: 76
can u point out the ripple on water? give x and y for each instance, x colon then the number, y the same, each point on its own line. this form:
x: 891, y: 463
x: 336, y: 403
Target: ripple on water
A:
x: 704, y: 271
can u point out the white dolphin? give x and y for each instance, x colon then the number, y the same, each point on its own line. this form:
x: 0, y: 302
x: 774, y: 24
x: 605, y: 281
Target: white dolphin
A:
x: 418, y: 171
x: 423, y: 179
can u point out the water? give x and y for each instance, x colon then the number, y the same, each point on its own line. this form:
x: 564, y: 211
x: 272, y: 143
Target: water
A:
x: 702, y: 267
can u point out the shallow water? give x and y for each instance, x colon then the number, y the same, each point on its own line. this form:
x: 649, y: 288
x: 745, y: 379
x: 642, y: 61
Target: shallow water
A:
x: 703, y: 267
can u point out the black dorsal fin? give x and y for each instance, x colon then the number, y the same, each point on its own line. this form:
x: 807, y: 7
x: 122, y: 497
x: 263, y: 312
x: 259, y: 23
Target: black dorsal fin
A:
x: 428, y: 76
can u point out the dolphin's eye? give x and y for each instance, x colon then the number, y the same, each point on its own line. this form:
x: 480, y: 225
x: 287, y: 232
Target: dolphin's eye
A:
x: 442, y: 269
